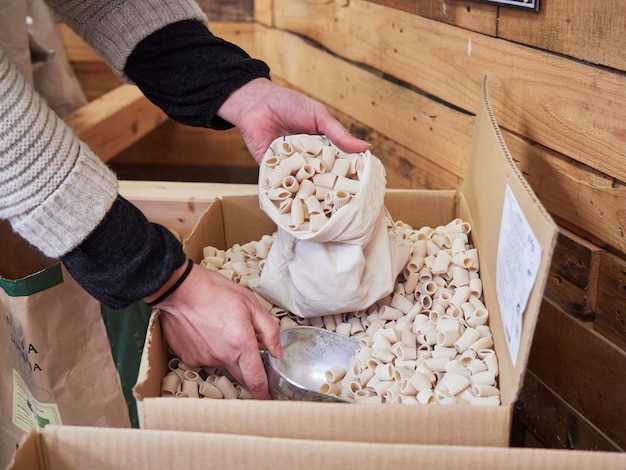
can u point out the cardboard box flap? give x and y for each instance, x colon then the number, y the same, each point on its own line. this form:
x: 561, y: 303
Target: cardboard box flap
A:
x: 491, y: 174
x: 70, y: 447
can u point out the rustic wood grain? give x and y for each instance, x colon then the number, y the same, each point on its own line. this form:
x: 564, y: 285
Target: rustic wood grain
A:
x: 592, y: 31
x: 228, y: 10
x: 114, y: 121
x: 264, y: 12
x: 414, y: 121
x: 580, y: 117
x: 553, y: 422
x: 574, y: 267
x: 583, y: 368
x: 473, y: 16
x: 177, y: 144
x: 610, y: 306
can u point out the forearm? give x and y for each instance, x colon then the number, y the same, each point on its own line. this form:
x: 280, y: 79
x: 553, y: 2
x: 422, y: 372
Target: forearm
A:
x: 126, y: 258
x: 53, y: 190
x: 114, y: 27
x: 189, y: 73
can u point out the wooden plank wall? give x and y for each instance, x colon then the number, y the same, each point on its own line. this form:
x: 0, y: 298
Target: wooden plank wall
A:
x: 406, y: 75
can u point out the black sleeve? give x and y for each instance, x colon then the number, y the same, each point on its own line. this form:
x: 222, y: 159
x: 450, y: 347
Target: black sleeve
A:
x: 126, y: 258
x: 188, y: 72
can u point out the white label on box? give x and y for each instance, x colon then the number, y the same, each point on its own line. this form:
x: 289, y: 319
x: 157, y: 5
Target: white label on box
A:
x: 519, y: 256
x: 28, y: 413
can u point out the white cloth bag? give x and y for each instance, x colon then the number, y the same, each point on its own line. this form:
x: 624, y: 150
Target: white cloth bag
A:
x: 345, y: 266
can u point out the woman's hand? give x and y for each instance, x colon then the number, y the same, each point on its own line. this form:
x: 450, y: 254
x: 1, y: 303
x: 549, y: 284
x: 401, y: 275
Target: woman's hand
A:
x: 212, y: 321
x: 264, y: 111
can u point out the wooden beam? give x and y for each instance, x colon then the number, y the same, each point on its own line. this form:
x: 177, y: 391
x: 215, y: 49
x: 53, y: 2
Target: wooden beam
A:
x: 114, y: 121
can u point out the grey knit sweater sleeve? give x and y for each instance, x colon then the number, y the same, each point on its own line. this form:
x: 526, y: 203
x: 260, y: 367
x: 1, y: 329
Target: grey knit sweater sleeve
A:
x: 114, y: 27
x: 53, y: 190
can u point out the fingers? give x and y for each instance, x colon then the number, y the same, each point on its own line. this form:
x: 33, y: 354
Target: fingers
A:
x: 268, y: 331
x: 252, y: 374
x: 340, y: 136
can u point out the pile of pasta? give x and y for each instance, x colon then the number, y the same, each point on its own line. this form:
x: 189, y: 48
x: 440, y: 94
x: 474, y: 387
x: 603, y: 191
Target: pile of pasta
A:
x: 428, y: 342
x: 309, y: 179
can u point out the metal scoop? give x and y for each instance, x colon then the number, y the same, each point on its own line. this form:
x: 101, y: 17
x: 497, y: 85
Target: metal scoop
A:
x: 308, y: 353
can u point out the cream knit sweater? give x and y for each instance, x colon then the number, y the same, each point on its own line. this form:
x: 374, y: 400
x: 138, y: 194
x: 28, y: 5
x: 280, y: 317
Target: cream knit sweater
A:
x: 53, y: 190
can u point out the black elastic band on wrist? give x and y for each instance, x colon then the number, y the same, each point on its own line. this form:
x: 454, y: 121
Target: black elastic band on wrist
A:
x: 175, y: 286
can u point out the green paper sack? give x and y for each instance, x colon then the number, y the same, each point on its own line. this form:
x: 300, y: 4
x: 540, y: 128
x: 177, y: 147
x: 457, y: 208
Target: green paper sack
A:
x: 59, y: 349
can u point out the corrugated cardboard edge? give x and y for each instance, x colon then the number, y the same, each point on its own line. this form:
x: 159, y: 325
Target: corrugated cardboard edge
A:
x: 70, y: 447
x: 484, y: 187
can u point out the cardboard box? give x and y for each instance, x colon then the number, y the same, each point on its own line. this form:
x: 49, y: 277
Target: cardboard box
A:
x: 69, y: 447
x: 234, y: 219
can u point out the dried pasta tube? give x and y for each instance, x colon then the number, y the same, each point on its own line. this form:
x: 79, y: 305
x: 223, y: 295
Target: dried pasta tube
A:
x: 472, y: 254
x: 411, y: 281
x: 382, y: 386
x: 460, y: 296
x: 305, y: 172
x: 321, y: 192
x: 278, y: 194
x: 407, y: 388
x: 331, y: 389
x: 450, y: 238
x: 476, y: 287
x: 356, y: 165
x: 271, y: 162
x: 216, y: 261
x: 170, y: 384
x: 400, y: 302
x: 335, y: 374
x: 190, y: 388
x: 365, y: 376
x: 340, y: 199
x: 460, y: 276
x: 343, y: 328
x: 285, y: 148
x: 326, y: 180
x: 174, y: 363
x: 403, y: 352
x: 469, y: 337
x: 311, y: 145
x: 313, y: 205
x: 290, y: 184
x: 341, y: 167
x: 476, y: 366
x: 426, y: 301
x: 485, y: 377
x: 482, y: 390
x: 466, y: 357
x: 294, y: 162
x: 329, y: 322
x: 328, y: 155
x: 437, y: 364
x: 356, y: 326
x: 306, y: 189
x: 491, y: 362
x: 426, y: 397
x: 477, y: 317
x: 192, y: 376
x: 447, y: 338
x: 318, y: 165
x: 275, y: 177
x: 243, y: 393
x: 209, y: 390
x: 346, y: 184
x: 458, y: 246
x: 385, y: 356
x: 388, y: 312
x: 456, y: 383
x: 484, y: 342
x: 384, y: 371
x: 441, y: 262
x: 226, y: 387
x: 297, y: 212
x: 446, y: 323
x: 461, y: 259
